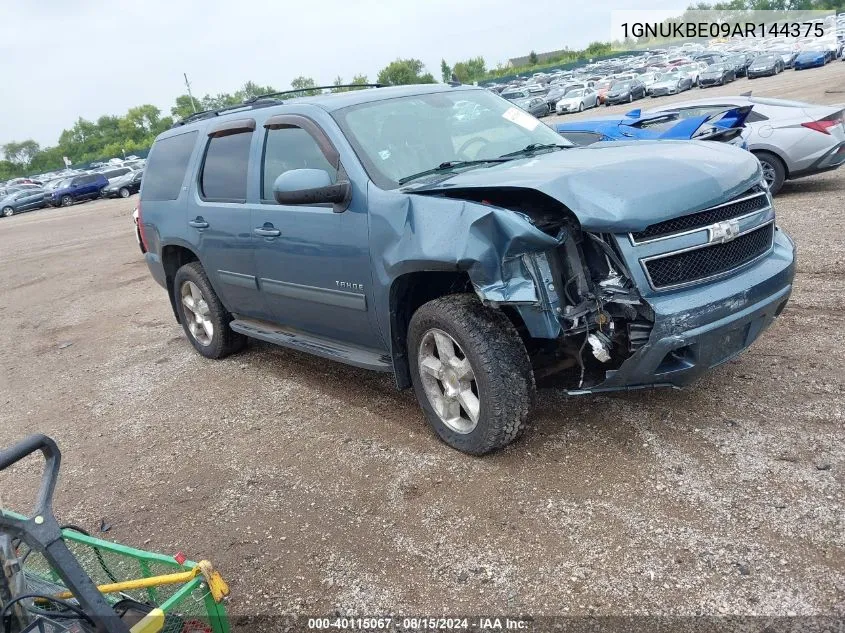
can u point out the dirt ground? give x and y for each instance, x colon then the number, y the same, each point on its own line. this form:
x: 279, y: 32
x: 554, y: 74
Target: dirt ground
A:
x: 317, y: 487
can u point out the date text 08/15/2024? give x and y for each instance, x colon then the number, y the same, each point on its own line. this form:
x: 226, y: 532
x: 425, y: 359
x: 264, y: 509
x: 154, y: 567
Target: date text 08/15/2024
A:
x: 417, y: 624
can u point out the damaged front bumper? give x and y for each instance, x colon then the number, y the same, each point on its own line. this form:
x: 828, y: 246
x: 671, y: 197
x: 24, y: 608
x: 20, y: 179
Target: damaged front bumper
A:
x: 699, y: 328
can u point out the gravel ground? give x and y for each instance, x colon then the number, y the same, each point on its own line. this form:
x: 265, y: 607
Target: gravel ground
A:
x: 317, y: 487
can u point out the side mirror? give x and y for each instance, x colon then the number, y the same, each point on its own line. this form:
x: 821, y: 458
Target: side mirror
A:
x: 310, y: 186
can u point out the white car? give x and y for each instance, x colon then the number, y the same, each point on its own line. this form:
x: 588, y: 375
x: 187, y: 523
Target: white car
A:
x: 577, y: 101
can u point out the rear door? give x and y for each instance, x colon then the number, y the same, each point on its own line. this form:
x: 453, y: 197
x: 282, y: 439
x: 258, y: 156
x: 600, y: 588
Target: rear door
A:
x: 313, y: 262
x: 219, y: 221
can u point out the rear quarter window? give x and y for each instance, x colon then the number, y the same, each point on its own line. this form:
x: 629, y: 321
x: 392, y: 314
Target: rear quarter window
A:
x: 166, y: 166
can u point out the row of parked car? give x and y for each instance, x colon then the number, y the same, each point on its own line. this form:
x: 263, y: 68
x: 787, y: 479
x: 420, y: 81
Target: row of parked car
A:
x: 658, y: 73
x: 70, y: 187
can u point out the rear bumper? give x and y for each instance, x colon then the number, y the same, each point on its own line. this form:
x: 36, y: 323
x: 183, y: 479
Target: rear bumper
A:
x: 702, y: 327
x: 832, y: 159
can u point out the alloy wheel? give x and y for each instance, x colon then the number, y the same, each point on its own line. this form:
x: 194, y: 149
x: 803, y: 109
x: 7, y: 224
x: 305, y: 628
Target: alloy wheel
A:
x: 197, y: 313
x: 8, y: 212
x: 769, y: 173
x: 449, y: 381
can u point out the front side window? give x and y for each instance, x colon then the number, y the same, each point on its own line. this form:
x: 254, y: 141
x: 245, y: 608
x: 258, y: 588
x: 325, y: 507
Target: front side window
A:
x: 224, y: 170
x: 291, y: 147
x: 397, y: 138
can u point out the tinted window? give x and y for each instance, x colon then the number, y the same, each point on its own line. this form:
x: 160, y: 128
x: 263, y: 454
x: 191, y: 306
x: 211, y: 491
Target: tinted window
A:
x: 115, y: 172
x: 291, y: 148
x: 224, y: 170
x: 167, y: 165
x: 582, y: 138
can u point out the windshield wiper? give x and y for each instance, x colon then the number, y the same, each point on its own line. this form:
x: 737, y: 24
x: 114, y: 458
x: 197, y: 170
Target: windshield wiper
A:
x: 448, y: 166
x: 533, y: 147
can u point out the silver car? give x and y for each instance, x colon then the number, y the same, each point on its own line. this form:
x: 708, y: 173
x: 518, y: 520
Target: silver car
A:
x: 577, y: 101
x: 791, y: 139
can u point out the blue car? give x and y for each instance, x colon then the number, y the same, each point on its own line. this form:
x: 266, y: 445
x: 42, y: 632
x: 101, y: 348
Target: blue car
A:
x: 810, y: 59
x: 725, y: 126
x: 82, y: 187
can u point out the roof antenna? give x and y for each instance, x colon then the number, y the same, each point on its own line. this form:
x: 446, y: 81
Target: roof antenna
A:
x: 454, y: 81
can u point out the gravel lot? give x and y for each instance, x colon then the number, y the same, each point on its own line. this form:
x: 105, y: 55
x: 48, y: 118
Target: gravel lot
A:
x: 318, y: 487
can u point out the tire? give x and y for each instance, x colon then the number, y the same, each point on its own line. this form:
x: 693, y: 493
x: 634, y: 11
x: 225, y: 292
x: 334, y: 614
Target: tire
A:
x: 223, y: 341
x: 631, y: 98
x: 8, y: 212
x: 581, y: 107
x: 502, y: 383
x: 67, y: 201
x: 123, y: 192
x: 773, y: 170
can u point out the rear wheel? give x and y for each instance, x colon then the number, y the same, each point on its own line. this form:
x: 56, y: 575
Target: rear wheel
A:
x: 8, y: 212
x: 202, y: 315
x: 471, y: 373
x: 774, y: 170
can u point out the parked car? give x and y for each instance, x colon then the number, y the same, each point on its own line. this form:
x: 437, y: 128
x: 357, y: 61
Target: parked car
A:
x: 601, y: 88
x: 554, y: 95
x: 112, y: 175
x: 622, y: 91
x: 770, y: 64
x: 577, y: 101
x: 26, y: 199
x: 523, y: 99
x: 670, y: 84
x: 692, y: 71
x: 791, y: 139
x: 725, y: 125
x: 380, y: 237
x: 84, y: 187
x: 788, y: 57
x: 717, y: 75
x: 813, y: 58
x: 124, y: 186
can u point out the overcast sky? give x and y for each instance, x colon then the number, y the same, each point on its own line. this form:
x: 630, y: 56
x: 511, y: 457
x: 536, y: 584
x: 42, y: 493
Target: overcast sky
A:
x: 61, y: 59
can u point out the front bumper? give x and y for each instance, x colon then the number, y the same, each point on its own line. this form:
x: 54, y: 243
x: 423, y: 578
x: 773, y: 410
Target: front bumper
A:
x: 702, y: 327
x: 617, y: 99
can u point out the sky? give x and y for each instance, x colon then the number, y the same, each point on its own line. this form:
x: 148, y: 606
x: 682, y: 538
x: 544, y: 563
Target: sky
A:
x: 60, y: 59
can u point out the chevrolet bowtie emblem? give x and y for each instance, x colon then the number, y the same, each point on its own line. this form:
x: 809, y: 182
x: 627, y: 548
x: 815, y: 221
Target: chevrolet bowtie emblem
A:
x: 722, y: 232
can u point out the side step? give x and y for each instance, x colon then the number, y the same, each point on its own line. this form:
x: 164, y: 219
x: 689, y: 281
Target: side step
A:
x: 363, y: 357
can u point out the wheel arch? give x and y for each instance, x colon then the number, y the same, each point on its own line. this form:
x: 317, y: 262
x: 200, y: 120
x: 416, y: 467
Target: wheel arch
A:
x: 757, y: 148
x: 173, y: 257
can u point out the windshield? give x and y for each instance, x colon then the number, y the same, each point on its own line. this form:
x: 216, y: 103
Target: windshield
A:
x: 765, y: 59
x: 515, y: 94
x: 621, y: 85
x: 575, y: 93
x: 716, y: 68
x: 396, y: 138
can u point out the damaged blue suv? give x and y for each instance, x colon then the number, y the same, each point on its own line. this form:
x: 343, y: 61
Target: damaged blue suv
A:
x: 469, y: 255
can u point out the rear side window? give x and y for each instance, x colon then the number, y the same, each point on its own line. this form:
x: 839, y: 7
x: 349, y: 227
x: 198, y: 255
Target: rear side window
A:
x: 166, y: 166
x: 224, y: 169
x: 289, y: 148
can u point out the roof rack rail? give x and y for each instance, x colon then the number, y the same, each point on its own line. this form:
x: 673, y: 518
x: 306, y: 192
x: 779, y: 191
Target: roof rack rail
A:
x: 289, y: 92
x: 262, y: 101
x: 246, y: 105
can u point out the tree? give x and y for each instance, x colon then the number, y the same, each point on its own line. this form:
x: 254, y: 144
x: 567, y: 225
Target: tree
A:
x: 533, y: 60
x: 445, y: 71
x: 404, y: 71
x: 470, y: 70
x: 21, y: 154
x: 359, y: 80
x: 185, y: 107
x: 305, y: 85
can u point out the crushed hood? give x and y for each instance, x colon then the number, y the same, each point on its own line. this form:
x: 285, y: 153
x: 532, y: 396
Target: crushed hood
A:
x: 621, y: 186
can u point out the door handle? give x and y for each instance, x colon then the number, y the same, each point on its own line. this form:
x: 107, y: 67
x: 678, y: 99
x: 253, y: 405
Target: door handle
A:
x: 267, y: 231
x: 198, y: 223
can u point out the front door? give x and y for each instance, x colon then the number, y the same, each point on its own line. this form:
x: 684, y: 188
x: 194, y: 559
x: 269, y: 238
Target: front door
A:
x: 312, y: 262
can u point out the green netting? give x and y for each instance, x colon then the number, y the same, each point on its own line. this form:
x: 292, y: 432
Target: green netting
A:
x: 189, y: 606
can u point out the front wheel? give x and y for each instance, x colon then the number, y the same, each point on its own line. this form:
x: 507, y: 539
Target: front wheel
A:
x: 631, y: 98
x: 124, y: 192
x: 202, y: 315
x: 67, y: 201
x: 471, y: 373
x: 8, y: 212
x: 580, y: 107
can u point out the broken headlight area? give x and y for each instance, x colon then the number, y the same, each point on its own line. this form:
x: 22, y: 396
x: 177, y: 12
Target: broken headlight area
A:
x: 600, y: 317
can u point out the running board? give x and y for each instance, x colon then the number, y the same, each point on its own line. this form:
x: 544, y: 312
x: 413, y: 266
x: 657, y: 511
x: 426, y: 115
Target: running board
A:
x: 363, y: 357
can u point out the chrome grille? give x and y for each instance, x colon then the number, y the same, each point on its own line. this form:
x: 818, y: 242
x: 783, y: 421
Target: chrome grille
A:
x: 750, y: 202
x: 708, y: 261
